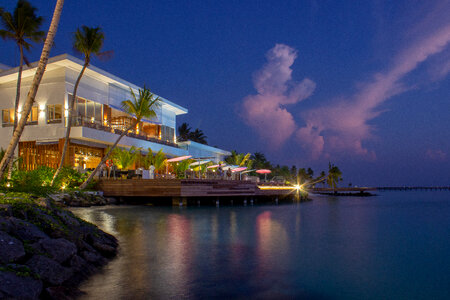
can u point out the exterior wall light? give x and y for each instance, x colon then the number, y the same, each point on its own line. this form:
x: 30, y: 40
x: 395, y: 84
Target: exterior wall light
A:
x: 42, y: 107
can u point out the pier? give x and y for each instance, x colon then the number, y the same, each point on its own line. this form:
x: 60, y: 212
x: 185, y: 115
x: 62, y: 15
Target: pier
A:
x: 195, y: 191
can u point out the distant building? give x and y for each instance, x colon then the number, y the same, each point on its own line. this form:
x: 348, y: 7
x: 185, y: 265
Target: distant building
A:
x: 99, y: 117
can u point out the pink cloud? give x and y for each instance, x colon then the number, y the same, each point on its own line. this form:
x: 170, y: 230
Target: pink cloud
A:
x: 437, y: 154
x: 266, y: 110
x: 343, y: 125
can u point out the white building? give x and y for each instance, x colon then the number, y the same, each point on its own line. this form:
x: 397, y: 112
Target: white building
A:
x: 99, y: 119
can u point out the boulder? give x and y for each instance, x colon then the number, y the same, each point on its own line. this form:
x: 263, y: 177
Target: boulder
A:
x: 67, y: 218
x: 5, y: 210
x: 11, y: 249
x: 13, y: 286
x: 59, y: 249
x: 49, y: 270
x: 61, y: 293
x: 93, y: 257
x: 26, y: 231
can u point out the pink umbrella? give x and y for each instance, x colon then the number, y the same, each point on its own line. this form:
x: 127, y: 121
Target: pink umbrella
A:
x: 265, y: 172
x: 239, y: 169
x: 214, y: 166
x: 180, y: 158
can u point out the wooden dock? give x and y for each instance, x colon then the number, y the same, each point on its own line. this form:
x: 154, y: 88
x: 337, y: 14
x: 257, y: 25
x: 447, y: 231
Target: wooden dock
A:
x: 186, y: 191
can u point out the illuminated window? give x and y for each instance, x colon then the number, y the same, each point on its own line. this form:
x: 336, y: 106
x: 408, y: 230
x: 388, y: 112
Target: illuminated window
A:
x: 33, y: 116
x: 7, y: 117
x: 54, y: 113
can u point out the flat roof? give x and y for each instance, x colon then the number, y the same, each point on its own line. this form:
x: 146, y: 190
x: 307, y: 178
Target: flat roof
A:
x: 69, y: 61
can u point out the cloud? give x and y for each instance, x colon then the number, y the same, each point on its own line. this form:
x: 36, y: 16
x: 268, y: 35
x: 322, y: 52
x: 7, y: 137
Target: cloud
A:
x: 275, y: 88
x: 343, y: 124
x: 437, y: 155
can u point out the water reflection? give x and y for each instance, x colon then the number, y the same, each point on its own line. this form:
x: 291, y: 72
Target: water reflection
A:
x: 339, y: 248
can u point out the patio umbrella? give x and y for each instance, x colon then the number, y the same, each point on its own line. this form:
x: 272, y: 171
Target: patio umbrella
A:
x: 176, y: 159
x: 239, y: 170
x: 265, y: 172
x: 180, y: 158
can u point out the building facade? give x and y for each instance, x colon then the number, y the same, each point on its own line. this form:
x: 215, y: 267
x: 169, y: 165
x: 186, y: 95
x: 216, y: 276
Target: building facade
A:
x: 98, y: 122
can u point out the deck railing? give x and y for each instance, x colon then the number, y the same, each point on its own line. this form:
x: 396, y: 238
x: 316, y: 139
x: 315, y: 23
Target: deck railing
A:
x: 85, y: 122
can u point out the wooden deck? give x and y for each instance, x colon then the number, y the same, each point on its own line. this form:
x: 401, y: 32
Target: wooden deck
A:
x: 185, y: 188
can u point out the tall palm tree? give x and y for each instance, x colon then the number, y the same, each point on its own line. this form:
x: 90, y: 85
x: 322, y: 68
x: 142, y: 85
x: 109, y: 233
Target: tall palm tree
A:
x: 88, y: 41
x: 22, y: 27
x: 139, y: 107
x: 334, y: 176
x: 198, y: 136
x: 184, y: 132
x: 34, y: 86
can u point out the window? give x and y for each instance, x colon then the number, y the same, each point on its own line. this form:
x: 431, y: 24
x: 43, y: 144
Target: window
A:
x: 33, y: 116
x: 89, y: 110
x: 54, y: 113
x: 7, y: 117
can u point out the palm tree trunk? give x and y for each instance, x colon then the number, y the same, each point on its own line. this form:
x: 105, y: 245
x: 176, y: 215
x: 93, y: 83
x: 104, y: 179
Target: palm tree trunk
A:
x: 34, y: 87
x: 105, y: 158
x: 16, y: 104
x: 69, y: 121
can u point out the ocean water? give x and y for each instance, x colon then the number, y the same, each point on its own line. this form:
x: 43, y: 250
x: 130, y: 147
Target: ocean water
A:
x: 392, y: 246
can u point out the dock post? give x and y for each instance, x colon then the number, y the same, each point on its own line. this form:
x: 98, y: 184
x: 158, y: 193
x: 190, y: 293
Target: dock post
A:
x: 245, y: 201
x: 251, y: 201
x: 276, y: 200
x: 179, y: 201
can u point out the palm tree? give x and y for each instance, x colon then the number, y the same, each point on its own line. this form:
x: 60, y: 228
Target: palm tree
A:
x: 140, y: 107
x: 239, y: 159
x: 334, y: 175
x: 22, y: 27
x: 198, y: 136
x: 184, y: 132
x: 88, y: 41
x: 124, y: 158
x: 34, y: 86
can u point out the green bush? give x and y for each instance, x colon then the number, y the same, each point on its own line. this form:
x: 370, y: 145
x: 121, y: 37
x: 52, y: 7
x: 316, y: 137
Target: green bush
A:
x: 35, y: 182
x: 70, y: 178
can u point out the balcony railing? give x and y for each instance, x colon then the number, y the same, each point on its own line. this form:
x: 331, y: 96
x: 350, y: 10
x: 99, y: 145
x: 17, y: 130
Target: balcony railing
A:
x: 85, y: 122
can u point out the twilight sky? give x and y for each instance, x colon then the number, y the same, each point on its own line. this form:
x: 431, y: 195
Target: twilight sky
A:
x: 363, y: 84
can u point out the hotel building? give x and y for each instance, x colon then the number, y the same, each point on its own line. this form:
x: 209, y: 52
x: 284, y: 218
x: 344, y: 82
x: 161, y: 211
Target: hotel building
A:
x: 98, y: 122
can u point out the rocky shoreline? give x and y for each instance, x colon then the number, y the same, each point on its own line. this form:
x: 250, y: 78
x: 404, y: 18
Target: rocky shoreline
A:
x: 45, y: 250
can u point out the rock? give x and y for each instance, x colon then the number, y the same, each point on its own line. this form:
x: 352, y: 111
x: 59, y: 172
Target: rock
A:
x: 13, y: 286
x: 93, y: 257
x: 78, y: 264
x: 61, y: 293
x: 11, y: 249
x: 6, y: 210
x: 49, y: 270
x: 106, y: 250
x: 26, y: 231
x: 59, y: 249
x: 67, y: 218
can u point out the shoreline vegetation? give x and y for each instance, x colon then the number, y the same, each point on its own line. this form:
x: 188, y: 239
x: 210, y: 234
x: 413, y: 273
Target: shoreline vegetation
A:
x: 45, y: 250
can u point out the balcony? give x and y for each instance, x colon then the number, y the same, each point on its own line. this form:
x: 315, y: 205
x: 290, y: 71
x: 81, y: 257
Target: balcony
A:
x: 89, y: 123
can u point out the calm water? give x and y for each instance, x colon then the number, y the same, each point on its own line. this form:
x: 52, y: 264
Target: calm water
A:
x: 394, y: 246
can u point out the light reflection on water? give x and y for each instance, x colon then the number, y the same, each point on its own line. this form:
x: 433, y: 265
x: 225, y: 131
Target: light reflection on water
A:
x: 392, y: 246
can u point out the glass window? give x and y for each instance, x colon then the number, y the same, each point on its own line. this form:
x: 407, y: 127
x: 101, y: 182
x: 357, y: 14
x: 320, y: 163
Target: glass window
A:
x: 81, y: 107
x: 90, y: 108
x: 54, y: 113
x: 5, y: 117
x: 34, y: 114
x: 98, y: 112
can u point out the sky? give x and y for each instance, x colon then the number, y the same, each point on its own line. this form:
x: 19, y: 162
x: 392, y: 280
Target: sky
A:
x: 362, y: 84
